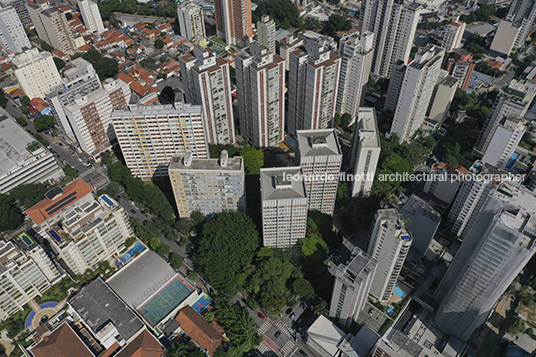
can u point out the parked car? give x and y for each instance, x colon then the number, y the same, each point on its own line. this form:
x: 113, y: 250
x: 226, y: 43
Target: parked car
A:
x: 261, y: 315
x: 277, y: 334
x: 293, y: 316
x: 289, y: 310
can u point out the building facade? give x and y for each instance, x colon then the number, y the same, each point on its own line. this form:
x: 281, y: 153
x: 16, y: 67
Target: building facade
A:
x: 459, y: 64
x: 320, y: 157
x: 36, y: 72
x: 208, y: 185
x: 233, y: 21
x: 389, y: 244
x: 266, y: 33
x: 414, y: 92
x: 260, y: 85
x: 207, y: 84
x: 91, y: 15
x: 284, y: 206
x: 312, y: 85
x: 452, y: 35
x: 12, y: 34
x: 356, y: 55
x: 190, y: 19
x: 365, y: 152
x: 22, y: 159
x: 499, y: 245
x: 442, y: 98
x: 393, y: 23
x: 351, y: 288
x: 27, y: 272
x: 20, y: 8
x: 52, y: 27
x: 149, y: 136
x: 504, y: 141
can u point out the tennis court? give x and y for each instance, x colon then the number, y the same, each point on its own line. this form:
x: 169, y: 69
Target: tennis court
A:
x: 165, y: 301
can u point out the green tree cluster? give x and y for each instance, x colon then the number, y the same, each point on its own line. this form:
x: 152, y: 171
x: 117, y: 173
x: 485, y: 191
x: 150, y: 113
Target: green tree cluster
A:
x: 60, y: 64
x: 284, y: 12
x: 44, y: 122
x: 184, y: 350
x: 337, y: 23
x: 253, y: 160
x: 21, y: 121
x: 45, y: 46
x: 42, y: 140
x: 226, y: 250
x: 106, y: 68
x: 216, y: 149
x: 30, y: 194
x: 70, y: 171
x: 238, y: 324
x: 483, y: 13
x: 10, y: 216
x: 159, y: 43
x: 429, y: 25
x: 303, y: 288
x: 3, y: 100
x: 515, y: 325
x: 475, y: 43
x: 176, y: 261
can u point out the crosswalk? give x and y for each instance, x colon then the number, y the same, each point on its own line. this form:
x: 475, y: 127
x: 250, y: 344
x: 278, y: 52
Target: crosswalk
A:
x: 265, y: 327
x: 265, y: 351
x: 289, y: 348
x: 284, y: 328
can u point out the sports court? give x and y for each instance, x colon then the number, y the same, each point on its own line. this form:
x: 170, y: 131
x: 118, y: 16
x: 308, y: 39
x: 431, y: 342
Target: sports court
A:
x: 165, y: 301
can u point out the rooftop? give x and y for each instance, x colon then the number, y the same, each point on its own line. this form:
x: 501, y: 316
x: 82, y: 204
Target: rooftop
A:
x: 275, y: 186
x: 199, y: 330
x: 48, y: 208
x: 145, y: 345
x: 368, y: 130
x: 134, y: 110
x: 233, y: 164
x: 62, y: 342
x: 98, y: 305
x: 15, y: 145
x: 326, y: 334
x: 318, y: 142
x: 141, y: 278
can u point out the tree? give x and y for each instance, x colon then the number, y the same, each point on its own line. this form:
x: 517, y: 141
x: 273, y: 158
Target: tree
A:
x: 119, y: 173
x: 25, y: 101
x: 253, y: 160
x: 106, y: 68
x: 60, y: 64
x: 415, y: 153
x: 176, y: 261
x: 3, y: 100
x: 10, y: 217
x: 159, y: 43
x: 41, y: 139
x: 337, y: 23
x: 29, y: 194
x: 70, y: 171
x: 284, y: 12
x: 515, y: 325
x: 303, y: 288
x: 44, y: 122
x: 21, y: 121
x: 216, y: 149
x: 337, y: 119
x: 130, y: 241
x: 345, y: 120
x: 313, y: 245
x: 238, y: 324
x: 168, y: 95
x: 321, y: 308
x: 45, y: 46
x: 232, y: 74
x: 92, y: 55
x: 226, y: 249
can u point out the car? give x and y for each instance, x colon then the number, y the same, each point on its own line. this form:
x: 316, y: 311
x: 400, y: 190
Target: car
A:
x: 261, y: 315
x: 302, y: 352
x: 133, y: 211
x: 289, y: 310
x: 371, y: 311
x: 293, y: 316
x: 72, y: 153
x: 60, y: 144
x: 277, y: 334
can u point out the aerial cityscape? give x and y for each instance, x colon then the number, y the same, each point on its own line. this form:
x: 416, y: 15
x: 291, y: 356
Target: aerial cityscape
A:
x: 270, y: 178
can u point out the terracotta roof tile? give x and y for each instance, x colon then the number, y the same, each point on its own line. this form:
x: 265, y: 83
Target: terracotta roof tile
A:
x: 199, y: 330
x: 145, y: 345
x: 63, y: 342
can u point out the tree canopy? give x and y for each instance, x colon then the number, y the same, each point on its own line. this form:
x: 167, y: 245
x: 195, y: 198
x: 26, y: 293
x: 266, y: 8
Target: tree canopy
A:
x: 337, y: 23
x: 253, y: 160
x: 483, y: 13
x: 284, y: 12
x: 238, y: 324
x: 106, y: 67
x: 10, y: 217
x: 303, y: 288
x: 159, y: 43
x: 216, y: 149
x: 30, y: 194
x: 44, y: 122
x: 60, y: 64
x: 226, y: 250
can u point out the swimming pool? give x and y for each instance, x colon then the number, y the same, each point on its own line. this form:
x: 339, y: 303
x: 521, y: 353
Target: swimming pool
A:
x: 399, y: 292
x: 107, y: 200
x: 26, y: 239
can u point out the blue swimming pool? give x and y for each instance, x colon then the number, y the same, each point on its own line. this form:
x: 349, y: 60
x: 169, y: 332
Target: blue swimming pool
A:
x: 512, y: 160
x: 55, y: 235
x: 399, y: 292
x: 107, y: 200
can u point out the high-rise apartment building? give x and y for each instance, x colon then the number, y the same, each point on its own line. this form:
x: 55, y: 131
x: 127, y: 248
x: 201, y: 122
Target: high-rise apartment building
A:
x: 504, y: 141
x: 284, y: 206
x: 190, y: 19
x: 352, y: 287
x: 91, y: 15
x: 52, y: 27
x: 452, y: 35
x: 23, y: 160
x: 365, y: 152
x: 515, y: 28
x: 414, y: 91
x: 472, y: 196
x: 498, y: 246
x: 443, y: 182
x: 389, y: 244
x: 36, y: 72
x: 320, y: 157
x: 442, y: 98
x: 312, y: 85
x: 393, y: 23
x: 149, y: 136
x: 208, y: 185
x: 12, y: 34
x: 514, y: 100
x: 26, y: 272
x: 233, y: 21
x: 266, y: 32
x: 20, y: 8
x: 292, y: 43
x: 82, y: 230
x: 356, y: 60
x: 260, y: 85
x: 207, y: 84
